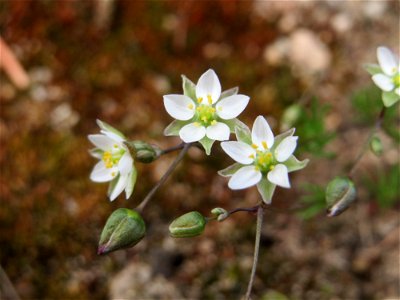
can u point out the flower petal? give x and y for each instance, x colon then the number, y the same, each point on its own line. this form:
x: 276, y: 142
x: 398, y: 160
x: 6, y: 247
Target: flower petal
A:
x: 397, y: 91
x: 125, y: 164
x: 387, y: 61
x: 279, y: 176
x: 244, y: 178
x: 384, y: 82
x: 286, y: 148
x: 131, y: 181
x: 192, y: 133
x: 180, y: 107
x: 262, y: 133
x: 101, y: 141
x: 239, y: 151
x: 102, y: 174
x: 232, y: 106
x: 219, y: 132
x: 208, y: 85
x: 119, y: 187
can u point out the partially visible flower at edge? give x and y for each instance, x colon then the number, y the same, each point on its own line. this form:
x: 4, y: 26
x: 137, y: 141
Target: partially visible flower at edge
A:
x: 203, y: 113
x: 386, y: 75
x: 262, y: 159
x: 116, y: 163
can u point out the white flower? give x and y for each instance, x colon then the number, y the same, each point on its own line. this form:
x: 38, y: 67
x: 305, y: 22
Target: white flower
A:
x: 203, y: 111
x: 387, y: 76
x: 116, y: 162
x: 263, y: 160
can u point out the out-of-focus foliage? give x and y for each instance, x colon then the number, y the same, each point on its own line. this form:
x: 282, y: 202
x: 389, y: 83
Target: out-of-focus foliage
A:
x: 367, y: 104
x: 384, y: 187
x: 310, y: 126
x: 314, y: 201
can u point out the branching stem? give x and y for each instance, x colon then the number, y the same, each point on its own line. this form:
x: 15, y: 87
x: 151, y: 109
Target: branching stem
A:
x: 260, y: 214
x: 177, y: 160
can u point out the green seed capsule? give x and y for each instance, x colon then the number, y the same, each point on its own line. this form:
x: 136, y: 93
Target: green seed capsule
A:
x: 143, y: 152
x: 188, y: 225
x: 376, y: 146
x: 340, y: 194
x: 124, y: 229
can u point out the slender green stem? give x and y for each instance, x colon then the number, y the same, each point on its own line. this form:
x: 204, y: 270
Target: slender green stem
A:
x: 174, y: 148
x: 177, y: 160
x: 378, y: 124
x: 260, y: 214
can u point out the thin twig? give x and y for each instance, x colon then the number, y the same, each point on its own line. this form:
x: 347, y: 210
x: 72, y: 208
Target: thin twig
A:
x: 260, y: 213
x: 177, y: 160
x: 364, y: 148
x: 172, y: 149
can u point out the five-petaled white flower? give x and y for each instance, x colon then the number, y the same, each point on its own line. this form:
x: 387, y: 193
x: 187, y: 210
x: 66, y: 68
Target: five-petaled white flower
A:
x: 203, y: 111
x: 387, y: 75
x: 116, y: 162
x: 262, y: 159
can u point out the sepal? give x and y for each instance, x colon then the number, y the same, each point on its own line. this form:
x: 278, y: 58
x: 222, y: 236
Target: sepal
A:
x: 372, y: 69
x: 124, y: 229
x: 229, y: 171
x: 106, y: 127
x: 189, y: 88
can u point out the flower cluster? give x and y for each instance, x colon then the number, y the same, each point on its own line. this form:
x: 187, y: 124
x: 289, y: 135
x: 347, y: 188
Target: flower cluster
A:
x: 203, y: 114
x: 386, y: 75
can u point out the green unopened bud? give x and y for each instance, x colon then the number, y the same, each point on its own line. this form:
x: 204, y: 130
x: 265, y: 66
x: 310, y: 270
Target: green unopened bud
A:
x: 340, y: 194
x: 290, y: 116
x: 188, y: 225
x: 143, y: 152
x: 123, y: 229
x: 376, y: 146
x: 220, y: 213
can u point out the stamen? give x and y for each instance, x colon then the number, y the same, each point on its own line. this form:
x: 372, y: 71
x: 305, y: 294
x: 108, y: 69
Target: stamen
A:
x: 200, y: 99
x: 264, y: 143
x: 213, y: 122
x: 197, y: 124
x: 251, y: 156
x: 209, y: 99
x: 254, y: 146
x: 113, y: 174
x: 272, y: 167
x: 190, y: 106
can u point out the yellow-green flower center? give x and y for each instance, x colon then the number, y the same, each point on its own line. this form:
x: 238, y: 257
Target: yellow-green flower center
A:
x: 264, y: 161
x: 205, y: 115
x: 396, y: 80
x: 111, y: 158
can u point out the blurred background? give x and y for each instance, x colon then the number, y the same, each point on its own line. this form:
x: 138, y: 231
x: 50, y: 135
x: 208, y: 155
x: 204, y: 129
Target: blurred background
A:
x: 301, y: 64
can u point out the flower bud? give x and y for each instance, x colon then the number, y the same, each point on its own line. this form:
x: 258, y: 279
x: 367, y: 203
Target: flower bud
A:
x: 376, y: 146
x: 220, y: 213
x: 143, y: 152
x: 290, y: 116
x: 188, y: 225
x: 123, y: 229
x: 340, y: 194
